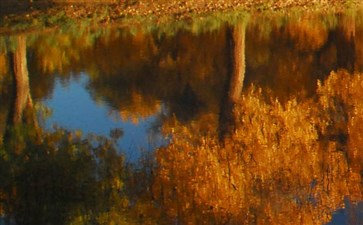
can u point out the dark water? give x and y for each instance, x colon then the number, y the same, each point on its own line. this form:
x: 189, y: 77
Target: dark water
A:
x: 255, y: 121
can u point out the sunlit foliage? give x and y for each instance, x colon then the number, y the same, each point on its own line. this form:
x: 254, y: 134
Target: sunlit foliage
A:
x: 341, y: 99
x: 141, y: 108
x: 282, y: 165
x: 290, y: 159
x: 302, y: 52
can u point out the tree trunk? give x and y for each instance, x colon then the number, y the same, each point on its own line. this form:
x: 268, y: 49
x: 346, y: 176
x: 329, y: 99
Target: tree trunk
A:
x: 21, y: 76
x: 239, y: 64
x: 236, y: 72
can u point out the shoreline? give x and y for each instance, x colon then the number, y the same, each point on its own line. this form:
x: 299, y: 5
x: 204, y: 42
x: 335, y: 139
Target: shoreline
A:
x: 46, y: 15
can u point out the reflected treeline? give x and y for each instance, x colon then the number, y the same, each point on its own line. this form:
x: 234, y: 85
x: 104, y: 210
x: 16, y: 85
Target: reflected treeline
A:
x: 135, y: 72
x: 289, y: 163
x: 288, y: 55
x: 256, y: 138
x: 54, y: 177
x: 60, y: 178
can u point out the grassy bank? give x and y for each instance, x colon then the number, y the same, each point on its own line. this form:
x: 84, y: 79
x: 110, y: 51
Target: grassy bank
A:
x: 28, y: 15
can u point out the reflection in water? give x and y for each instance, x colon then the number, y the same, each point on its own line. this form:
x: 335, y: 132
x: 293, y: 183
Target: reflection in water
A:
x: 284, y: 164
x: 97, y: 118
x: 59, y: 178
x: 351, y: 214
x: 236, y: 75
x: 256, y: 138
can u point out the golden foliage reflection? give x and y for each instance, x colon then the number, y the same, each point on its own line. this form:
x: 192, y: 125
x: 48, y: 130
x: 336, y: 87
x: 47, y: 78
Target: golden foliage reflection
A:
x: 285, y: 163
x: 142, y: 107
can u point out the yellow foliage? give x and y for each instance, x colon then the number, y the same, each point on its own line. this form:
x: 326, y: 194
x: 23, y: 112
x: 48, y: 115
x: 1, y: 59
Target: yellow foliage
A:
x: 141, y: 108
x: 307, y: 35
x: 280, y: 166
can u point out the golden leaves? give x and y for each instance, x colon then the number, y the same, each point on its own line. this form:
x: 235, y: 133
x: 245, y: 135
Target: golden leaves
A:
x: 307, y: 35
x: 141, y: 107
x: 281, y: 155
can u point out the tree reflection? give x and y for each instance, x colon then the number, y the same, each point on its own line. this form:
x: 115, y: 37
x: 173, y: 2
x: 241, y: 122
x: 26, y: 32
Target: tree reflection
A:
x: 138, y: 72
x: 55, y: 177
x: 346, y: 44
x: 291, y: 150
x: 58, y: 177
x: 23, y: 99
x: 309, y: 46
x: 236, y: 44
x: 63, y: 179
x: 282, y: 165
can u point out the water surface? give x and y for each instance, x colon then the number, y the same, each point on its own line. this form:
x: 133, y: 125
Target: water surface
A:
x: 255, y: 121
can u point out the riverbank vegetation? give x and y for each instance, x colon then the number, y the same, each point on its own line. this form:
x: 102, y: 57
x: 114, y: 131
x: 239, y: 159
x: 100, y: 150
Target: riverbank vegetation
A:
x: 28, y: 15
x: 291, y: 154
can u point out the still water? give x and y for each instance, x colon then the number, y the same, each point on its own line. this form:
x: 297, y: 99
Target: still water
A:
x: 256, y: 120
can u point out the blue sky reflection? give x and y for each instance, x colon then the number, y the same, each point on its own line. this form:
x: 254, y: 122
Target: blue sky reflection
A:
x: 74, y: 109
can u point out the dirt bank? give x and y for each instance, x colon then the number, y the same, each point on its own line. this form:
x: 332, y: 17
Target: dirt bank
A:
x: 20, y: 15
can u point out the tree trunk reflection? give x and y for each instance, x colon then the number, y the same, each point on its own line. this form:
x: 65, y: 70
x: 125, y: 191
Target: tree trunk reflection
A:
x: 236, y: 49
x: 21, y: 77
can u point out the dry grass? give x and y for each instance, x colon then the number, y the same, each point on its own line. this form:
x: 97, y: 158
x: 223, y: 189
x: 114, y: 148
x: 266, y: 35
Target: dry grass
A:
x: 115, y: 11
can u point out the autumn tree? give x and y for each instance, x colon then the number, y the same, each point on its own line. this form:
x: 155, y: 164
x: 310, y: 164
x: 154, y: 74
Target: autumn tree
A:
x: 282, y: 165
